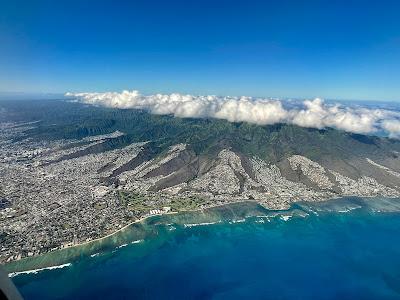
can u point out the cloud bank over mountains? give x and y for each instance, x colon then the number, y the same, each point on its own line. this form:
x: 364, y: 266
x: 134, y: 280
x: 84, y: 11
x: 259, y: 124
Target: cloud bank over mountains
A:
x: 311, y: 113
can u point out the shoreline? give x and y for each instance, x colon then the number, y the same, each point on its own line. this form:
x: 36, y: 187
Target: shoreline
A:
x: 114, y: 232
x: 206, y: 208
x: 94, y: 241
x: 124, y: 227
x: 155, y: 215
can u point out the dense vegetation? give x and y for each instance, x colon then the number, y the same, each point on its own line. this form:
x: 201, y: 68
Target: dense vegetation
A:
x: 66, y: 120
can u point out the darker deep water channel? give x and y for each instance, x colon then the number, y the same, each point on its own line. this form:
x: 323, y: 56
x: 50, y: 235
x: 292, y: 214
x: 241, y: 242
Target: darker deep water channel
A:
x: 347, y: 248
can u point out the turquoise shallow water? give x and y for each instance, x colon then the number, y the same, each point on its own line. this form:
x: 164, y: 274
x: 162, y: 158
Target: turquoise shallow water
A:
x: 347, y: 248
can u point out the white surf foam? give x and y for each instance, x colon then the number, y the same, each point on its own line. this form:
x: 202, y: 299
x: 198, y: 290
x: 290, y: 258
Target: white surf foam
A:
x: 35, y: 271
x: 285, y: 218
x: 121, y: 246
x: 137, y: 242
x: 348, y: 209
x: 200, y: 224
x: 237, y: 221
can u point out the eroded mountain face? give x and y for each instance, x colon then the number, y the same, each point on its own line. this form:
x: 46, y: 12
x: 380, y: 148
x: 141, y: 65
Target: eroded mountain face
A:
x: 220, y: 174
x: 231, y: 174
x: 59, y: 192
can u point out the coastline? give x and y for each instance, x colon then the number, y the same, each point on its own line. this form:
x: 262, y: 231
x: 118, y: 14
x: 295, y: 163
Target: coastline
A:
x: 211, y: 207
x: 158, y: 215
x: 241, y: 250
x: 18, y: 266
x: 117, y: 231
x: 93, y: 246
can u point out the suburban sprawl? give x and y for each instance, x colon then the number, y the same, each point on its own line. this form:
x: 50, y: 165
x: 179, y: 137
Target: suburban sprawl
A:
x: 71, y: 173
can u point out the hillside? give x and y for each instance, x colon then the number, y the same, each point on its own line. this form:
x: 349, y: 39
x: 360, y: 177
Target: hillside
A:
x: 107, y: 167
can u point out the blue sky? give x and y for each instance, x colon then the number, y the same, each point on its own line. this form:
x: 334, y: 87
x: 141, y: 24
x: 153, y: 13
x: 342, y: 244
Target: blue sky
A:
x: 331, y: 49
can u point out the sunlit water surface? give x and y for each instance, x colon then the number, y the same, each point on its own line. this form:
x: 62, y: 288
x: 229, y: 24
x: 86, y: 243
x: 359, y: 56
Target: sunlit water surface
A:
x: 347, y: 248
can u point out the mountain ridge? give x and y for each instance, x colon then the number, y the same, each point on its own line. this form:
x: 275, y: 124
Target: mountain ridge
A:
x: 107, y: 167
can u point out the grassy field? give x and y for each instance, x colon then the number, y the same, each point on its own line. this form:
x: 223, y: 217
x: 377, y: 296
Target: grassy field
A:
x: 189, y: 203
x: 140, y: 203
x: 136, y: 202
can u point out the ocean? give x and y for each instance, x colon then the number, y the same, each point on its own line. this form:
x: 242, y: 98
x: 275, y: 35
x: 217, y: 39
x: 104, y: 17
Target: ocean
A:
x: 347, y: 248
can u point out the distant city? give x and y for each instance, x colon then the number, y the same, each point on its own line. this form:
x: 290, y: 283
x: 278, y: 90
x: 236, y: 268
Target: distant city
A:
x: 59, y: 190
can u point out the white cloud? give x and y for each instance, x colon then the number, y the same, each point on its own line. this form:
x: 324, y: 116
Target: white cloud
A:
x: 319, y: 115
x: 392, y: 127
x: 313, y: 113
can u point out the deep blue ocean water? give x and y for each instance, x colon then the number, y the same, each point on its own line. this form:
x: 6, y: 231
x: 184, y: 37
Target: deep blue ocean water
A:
x: 351, y: 253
